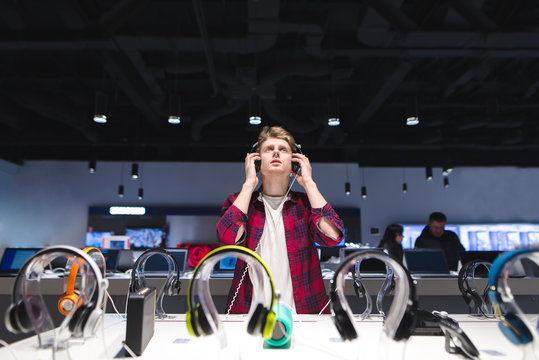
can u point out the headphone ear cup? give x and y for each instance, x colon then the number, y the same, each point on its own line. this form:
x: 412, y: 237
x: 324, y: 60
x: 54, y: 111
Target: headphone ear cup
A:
x: 67, y: 302
x: 91, y: 322
x: 17, y: 320
x: 515, y: 330
x: 475, y: 299
x: 174, y: 287
x: 258, y: 164
x: 76, y: 324
x: 407, y: 324
x: 254, y: 320
x: 190, y: 319
x: 340, y: 318
x: 202, y: 321
x: 268, y: 323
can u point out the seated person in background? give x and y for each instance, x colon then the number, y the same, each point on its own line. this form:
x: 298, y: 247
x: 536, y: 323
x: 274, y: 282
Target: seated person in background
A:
x: 392, y: 241
x: 279, y: 225
x: 434, y: 236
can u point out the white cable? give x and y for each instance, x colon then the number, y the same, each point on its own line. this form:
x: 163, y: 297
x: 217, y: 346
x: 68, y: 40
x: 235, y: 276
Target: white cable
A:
x: 6, y: 345
x: 114, y: 305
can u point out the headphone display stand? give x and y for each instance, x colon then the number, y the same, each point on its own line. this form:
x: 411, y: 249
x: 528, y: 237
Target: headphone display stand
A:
x: 389, y: 349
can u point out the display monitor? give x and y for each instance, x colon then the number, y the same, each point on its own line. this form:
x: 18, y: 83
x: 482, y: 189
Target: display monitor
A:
x: 95, y: 239
x: 145, y: 237
x: 499, y: 237
x: 412, y: 232
x: 157, y: 263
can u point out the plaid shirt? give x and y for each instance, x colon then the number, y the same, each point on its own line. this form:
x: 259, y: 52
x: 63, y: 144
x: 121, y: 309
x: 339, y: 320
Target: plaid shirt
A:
x: 301, y: 231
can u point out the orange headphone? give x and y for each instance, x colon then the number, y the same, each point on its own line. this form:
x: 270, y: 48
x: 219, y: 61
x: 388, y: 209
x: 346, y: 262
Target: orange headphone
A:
x: 70, y: 298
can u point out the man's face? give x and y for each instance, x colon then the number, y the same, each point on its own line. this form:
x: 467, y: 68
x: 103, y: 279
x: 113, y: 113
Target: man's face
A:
x: 276, y: 156
x: 437, y: 228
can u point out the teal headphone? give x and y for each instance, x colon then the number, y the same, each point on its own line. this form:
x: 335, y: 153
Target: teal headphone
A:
x: 263, y: 317
x: 507, y: 311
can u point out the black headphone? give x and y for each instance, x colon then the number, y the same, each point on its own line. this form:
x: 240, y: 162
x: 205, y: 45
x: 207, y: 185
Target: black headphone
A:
x: 263, y: 318
x: 503, y: 303
x: 473, y: 299
x: 400, y: 321
x: 28, y: 311
x: 295, y: 165
x: 173, y: 284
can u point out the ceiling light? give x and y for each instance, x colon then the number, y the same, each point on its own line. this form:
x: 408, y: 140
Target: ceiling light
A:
x: 347, y: 188
x: 428, y: 173
x: 255, y: 114
x: 446, y: 182
x: 333, y: 111
x: 140, y: 193
x: 404, y: 188
x: 127, y: 210
x: 134, y: 171
x: 92, y: 166
x: 100, y: 110
x: 363, y: 192
x: 121, y: 191
x: 447, y: 170
x: 412, y: 116
x: 174, y: 109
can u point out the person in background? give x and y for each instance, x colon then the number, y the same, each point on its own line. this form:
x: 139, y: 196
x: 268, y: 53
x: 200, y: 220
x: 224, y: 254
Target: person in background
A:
x: 434, y: 236
x: 282, y: 226
x: 392, y: 241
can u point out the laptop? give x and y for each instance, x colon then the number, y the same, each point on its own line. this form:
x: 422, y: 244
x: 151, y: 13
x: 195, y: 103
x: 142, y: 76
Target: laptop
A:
x: 111, y: 260
x: 426, y: 263
x: 224, y: 268
x: 369, y: 267
x: 14, y: 258
x: 157, y: 265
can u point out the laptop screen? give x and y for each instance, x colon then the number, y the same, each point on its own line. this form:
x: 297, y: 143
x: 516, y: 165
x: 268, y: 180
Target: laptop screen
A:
x: 426, y: 261
x: 157, y: 263
x: 14, y: 258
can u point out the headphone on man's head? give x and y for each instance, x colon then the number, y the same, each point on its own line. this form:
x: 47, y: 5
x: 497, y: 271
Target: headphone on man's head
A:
x: 503, y: 303
x: 28, y: 311
x: 295, y: 165
x: 400, y: 321
x: 473, y: 299
x: 71, y: 296
x: 262, y: 319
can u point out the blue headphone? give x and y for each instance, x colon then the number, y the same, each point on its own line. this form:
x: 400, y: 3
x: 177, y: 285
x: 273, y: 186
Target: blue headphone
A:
x: 507, y: 311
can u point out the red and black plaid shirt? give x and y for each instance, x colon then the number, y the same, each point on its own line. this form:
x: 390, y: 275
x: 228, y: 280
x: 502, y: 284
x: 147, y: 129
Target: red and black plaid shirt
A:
x: 301, y: 231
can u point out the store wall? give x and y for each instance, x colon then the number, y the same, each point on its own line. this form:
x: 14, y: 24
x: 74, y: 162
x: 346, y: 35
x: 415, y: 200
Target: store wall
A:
x: 46, y: 202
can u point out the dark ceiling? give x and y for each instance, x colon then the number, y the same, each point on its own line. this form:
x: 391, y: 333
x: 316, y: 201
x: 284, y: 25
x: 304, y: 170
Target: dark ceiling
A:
x: 469, y: 65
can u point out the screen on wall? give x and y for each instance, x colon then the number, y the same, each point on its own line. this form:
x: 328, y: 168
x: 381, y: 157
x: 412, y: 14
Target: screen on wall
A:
x: 145, y: 237
x: 96, y: 238
x: 483, y: 237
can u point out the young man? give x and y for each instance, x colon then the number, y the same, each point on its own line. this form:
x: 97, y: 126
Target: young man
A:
x: 434, y: 236
x: 280, y: 225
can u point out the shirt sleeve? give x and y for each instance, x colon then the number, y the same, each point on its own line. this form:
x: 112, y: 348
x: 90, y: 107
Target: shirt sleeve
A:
x: 231, y: 220
x: 331, y: 215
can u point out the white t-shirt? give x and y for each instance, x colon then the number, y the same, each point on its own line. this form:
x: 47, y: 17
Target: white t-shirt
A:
x: 272, y: 248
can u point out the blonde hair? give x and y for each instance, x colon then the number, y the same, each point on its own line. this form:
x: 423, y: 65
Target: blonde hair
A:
x: 277, y: 132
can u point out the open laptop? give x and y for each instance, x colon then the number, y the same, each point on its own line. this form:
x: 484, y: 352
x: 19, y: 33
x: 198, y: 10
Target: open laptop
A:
x: 426, y: 263
x: 368, y: 267
x: 224, y: 268
x: 157, y: 265
x: 14, y: 258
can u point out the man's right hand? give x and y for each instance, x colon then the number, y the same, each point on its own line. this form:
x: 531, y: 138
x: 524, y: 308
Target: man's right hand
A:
x: 251, y: 178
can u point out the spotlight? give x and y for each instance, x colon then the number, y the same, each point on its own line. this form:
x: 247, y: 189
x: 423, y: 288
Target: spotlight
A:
x: 100, y: 110
x: 446, y: 182
x: 404, y: 188
x: 140, y: 193
x: 363, y: 192
x: 134, y: 171
x: 174, y: 110
x: 333, y: 111
x: 412, y: 116
x: 447, y: 170
x: 92, y: 166
x: 121, y: 191
x: 428, y: 173
x: 255, y: 114
x: 347, y: 188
